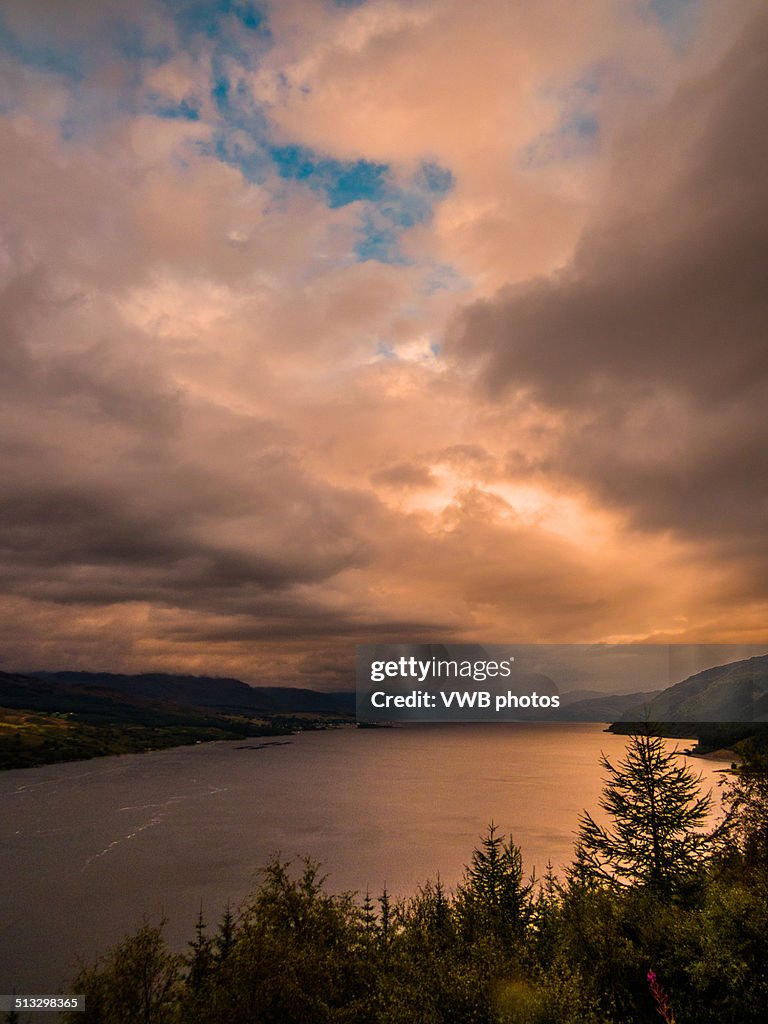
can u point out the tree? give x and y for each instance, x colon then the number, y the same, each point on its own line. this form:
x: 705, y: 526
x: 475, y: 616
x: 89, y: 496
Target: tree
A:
x: 745, y: 797
x: 656, y: 810
x: 429, y: 916
x: 385, y: 917
x: 200, y: 958
x: 137, y: 981
x: 225, y: 937
x: 294, y: 960
x: 368, y: 915
x: 493, y: 894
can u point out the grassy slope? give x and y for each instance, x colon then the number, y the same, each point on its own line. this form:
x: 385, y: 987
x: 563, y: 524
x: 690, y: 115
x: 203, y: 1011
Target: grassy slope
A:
x: 30, y: 738
x: 41, y: 723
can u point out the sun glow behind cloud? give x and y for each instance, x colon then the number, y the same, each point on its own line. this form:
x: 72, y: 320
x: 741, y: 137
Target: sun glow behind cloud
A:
x: 330, y: 322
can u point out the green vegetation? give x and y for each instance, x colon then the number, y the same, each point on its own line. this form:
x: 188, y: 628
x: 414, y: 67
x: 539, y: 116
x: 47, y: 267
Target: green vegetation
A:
x: 44, y: 720
x: 656, y: 814
x: 724, y: 707
x: 711, y: 737
x: 31, y: 738
x: 653, y: 922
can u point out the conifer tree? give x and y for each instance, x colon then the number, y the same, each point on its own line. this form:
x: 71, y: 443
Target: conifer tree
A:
x: 442, y: 908
x: 368, y: 914
x: 493, y: 887
x: 654, y: 837
x: 200, y: 959
x: 385, y: 917
x: 225, y: 938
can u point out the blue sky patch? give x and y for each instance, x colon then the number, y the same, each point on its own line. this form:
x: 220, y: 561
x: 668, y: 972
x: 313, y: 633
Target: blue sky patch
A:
x: 184, y: 111
x: 130, y: 40
x: 343, y: 182
x: 391, y: 206
x: 378, y: 241
x: 43, y: 53
x: 205, y: 16
x: 220, y: 92
x: 438, y: 180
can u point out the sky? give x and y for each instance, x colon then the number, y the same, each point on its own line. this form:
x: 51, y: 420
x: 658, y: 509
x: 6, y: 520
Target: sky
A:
x: 328, y: 322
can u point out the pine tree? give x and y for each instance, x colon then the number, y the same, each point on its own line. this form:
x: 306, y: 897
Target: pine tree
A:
x: 385, y: 917
x: 656, y: 811
x: 225, y: 937
x: 441, y: 909
x: 201, y: 957
x: 368, y: 914
x: 493, y: 891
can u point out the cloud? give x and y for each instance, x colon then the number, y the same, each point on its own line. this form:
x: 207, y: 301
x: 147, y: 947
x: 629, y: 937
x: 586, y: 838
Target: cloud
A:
x: 405, y: 474
x: 230, y: 436
x: 649, y: 346
x: 477, y: 89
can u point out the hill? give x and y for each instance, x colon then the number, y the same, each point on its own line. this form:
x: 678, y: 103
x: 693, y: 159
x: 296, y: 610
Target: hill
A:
x: 217, y: 693
x: 62, y: 716
x: 723, y: 707
x: 605, y: 707
x: 736, y: 692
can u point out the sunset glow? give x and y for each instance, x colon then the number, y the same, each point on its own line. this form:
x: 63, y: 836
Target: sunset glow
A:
x: 339, y: 322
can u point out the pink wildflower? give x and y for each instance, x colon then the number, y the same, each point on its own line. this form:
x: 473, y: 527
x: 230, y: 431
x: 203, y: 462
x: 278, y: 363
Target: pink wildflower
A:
x: 661, y: 999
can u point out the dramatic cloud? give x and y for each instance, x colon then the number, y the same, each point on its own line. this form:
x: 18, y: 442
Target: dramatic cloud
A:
x: 650, y: 345
x: 328, y: 323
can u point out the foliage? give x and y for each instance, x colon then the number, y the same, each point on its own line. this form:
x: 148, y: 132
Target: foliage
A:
x: 745, y: 796
x: 654, y: 837
x: 138, y: 981
x: 31, y: 738
x: 493, y: 899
